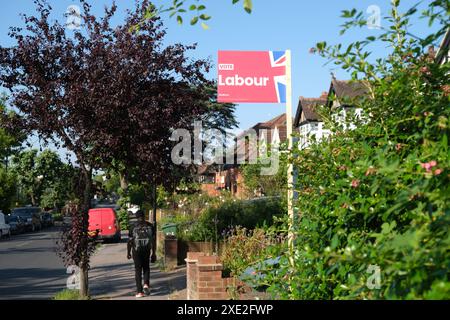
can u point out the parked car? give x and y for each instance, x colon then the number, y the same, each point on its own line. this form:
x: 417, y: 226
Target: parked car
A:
x: 104, y: 224
x: 31, y: 217
x: 16, y: 223
x: 47, y: 219
x: 5, y: 229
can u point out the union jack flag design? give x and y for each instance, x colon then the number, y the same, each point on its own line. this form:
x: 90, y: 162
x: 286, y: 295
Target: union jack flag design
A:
x: 278, y: 59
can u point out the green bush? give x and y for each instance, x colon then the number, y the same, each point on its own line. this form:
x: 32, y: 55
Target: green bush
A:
x: 377, y: 197
x: 248, y: 214
x: 242, y: 248
x: 124, y: 219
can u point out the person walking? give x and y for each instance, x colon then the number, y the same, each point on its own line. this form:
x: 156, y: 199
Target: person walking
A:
x: 140, y: 248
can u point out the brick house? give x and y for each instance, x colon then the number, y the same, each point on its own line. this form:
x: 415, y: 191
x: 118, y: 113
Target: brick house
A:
x: 229, y: 176
x: 206, y: 177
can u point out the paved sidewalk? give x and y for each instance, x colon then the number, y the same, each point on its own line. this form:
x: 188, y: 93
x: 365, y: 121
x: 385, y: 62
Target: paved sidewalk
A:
x: 112, y: 277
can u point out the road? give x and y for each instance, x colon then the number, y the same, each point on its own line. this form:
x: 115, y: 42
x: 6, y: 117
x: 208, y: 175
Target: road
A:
x: 30, y: 267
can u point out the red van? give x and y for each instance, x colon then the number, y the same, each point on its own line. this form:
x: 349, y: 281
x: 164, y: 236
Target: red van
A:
x: 104, y: 220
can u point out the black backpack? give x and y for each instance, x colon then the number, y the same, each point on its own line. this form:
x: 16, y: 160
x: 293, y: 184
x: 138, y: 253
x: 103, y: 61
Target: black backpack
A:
x: 142, y: 236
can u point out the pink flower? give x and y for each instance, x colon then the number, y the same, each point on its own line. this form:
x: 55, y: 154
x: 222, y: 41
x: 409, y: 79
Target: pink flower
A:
x: 428, y: 165
x: 425, y: 166
x: 312, y: 50
x: 437, y: 172
x: 355, y: 183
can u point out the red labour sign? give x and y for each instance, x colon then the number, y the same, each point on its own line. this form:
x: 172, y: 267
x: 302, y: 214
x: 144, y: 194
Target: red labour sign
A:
x: 252, y: 76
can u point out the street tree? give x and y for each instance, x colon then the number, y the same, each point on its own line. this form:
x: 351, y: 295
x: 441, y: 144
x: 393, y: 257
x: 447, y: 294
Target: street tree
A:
x: 39, y: 174
x: 10, y: 143
x: 10, y: 140
x: 105, y: 94
x: 7, y: 189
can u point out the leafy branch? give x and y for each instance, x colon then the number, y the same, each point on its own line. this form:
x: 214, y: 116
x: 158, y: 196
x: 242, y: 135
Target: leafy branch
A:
x: 179, y: 8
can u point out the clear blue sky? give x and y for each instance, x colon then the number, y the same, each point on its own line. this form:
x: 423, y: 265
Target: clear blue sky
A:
x: 274, y: 25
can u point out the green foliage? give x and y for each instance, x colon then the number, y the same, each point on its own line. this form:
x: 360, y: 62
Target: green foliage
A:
x: 124, y: 219
x: 267, y: 185
x: 25, y: 169
x: 136, y: 194
x: 43, y: 177
x: 7, y: 189
x: 377, y: 195
x: 243, y: 248
x: 10, y: 142
x: 69, y: 295
x: 178, y: 8
x: 57, y: 217
x: 122, y: 213
x: 245, y: 213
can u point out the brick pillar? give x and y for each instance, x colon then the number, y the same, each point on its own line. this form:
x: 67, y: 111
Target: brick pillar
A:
x: 192, y: 274
x: 210, y: 283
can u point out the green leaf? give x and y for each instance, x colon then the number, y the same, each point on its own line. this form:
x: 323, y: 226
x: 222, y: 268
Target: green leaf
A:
x: 205, y: 26
x: 179, y: 20
x: 194, y: 20
x: 444, y: 142
x: 321, y: 46
x: 192, y: 7
x: 248, y: 6
x: 205, y: 17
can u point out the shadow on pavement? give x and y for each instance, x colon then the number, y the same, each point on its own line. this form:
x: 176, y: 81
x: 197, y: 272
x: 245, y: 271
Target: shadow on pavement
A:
x: 31, y: 283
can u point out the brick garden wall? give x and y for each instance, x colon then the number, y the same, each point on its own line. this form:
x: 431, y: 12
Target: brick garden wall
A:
x: 205, y: 281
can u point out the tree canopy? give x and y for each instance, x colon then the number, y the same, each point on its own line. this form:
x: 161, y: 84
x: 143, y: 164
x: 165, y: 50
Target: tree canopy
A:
x: 106, y: 94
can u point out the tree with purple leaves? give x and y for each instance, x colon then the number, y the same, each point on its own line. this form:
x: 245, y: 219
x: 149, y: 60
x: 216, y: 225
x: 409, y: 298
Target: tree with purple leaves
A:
x: 110, y: 96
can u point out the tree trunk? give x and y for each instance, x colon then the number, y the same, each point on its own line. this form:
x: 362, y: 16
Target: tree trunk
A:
x: 84, y: 283
x: 154, y: 205
x: 123, y: 181
x: 85, y: 206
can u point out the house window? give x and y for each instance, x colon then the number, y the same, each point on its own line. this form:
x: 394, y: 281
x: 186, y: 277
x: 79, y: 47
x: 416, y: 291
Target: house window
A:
x: 207, y: 179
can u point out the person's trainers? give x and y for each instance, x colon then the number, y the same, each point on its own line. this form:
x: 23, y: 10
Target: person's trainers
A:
x: 140, y: 295
x: 146, y: 290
